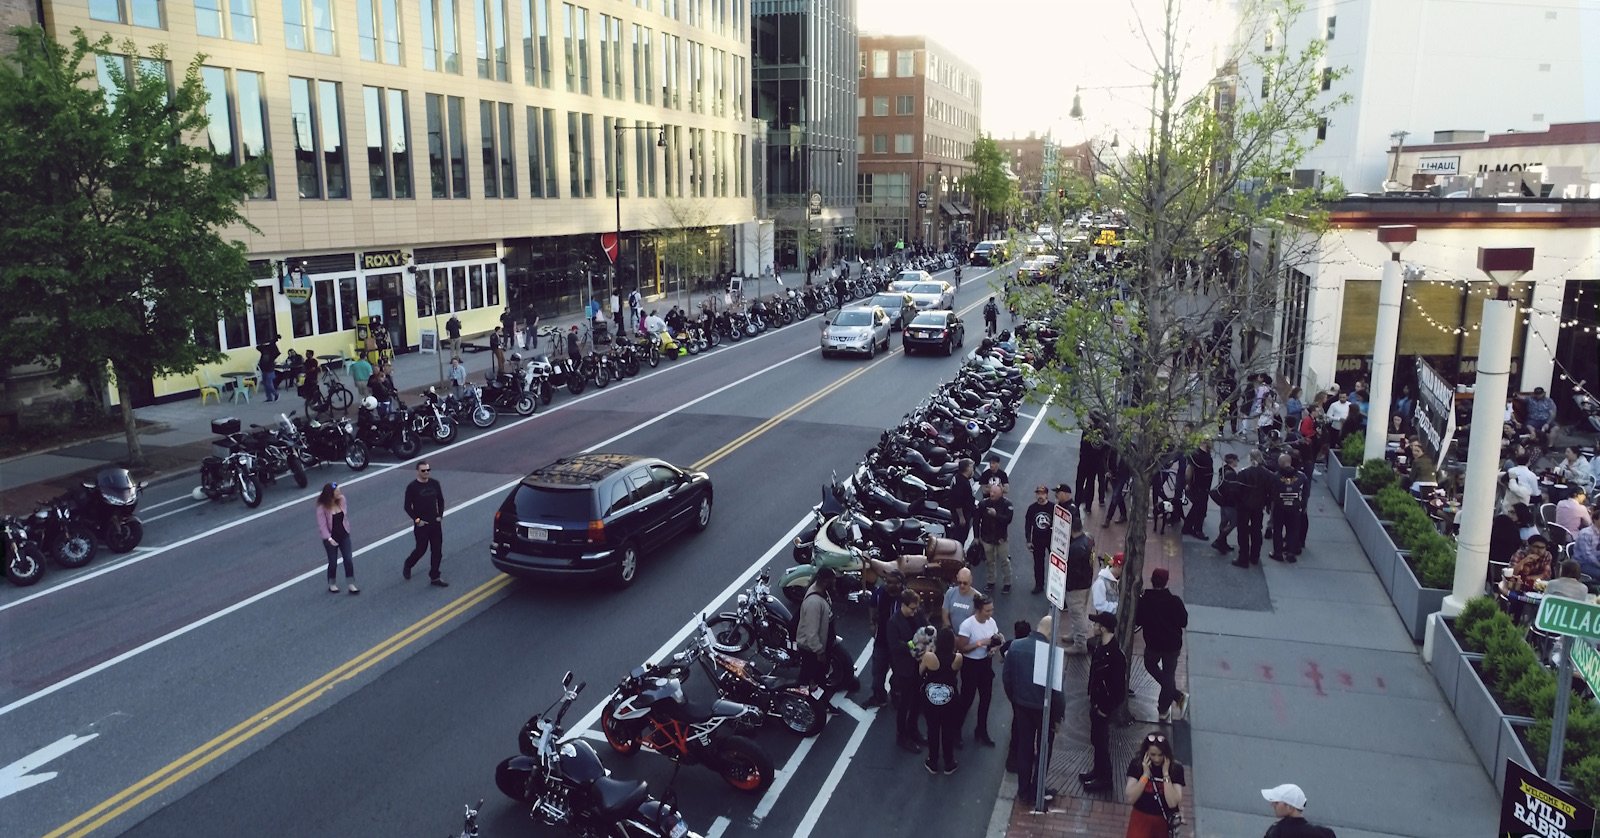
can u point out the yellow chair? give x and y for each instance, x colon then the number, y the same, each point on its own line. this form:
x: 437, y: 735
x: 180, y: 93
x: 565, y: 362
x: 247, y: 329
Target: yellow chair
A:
x: 208, y: 389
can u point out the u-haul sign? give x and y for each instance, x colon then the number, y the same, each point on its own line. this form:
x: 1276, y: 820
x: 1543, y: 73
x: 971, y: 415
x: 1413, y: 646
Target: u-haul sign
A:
x: 1439, y: 165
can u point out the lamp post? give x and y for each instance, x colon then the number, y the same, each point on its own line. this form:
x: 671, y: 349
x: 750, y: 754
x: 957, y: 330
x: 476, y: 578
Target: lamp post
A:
x: 1384, y: 347
x: 661, y: 142
x: 1504, y: 265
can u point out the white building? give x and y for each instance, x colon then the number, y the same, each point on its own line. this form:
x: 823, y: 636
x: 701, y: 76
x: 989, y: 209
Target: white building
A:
x: 1324, y: 329
x: 1424, y: 65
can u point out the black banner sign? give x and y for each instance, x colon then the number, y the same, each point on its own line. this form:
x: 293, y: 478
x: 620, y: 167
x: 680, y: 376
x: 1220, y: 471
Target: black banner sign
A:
x: 1533, y: 808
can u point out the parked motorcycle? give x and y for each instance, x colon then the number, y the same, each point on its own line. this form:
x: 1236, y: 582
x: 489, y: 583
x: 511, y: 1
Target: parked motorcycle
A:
x: 431, y: 421
x: 801, y: 711
x: 24, y: 559
x: 231, y: 470
x: 649, y: 711
x: 468, y: 406
x: 565, y: 784
x: 108, y: 505
x: 509, y: 391
x: 274, y: 458
x: 392, y: 431
x: 65, y: 538
x: 319, y: 442
x: 758, y: 618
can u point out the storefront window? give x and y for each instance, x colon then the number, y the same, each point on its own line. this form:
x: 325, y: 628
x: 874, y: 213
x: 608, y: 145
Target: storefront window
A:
x: 491, y: 284
x: 236, y: 329
x: 424, y: 294
x: 324, y: 299
x: 475, y: 286
x: 441, y: 290
x: 347, y: 303
x: 300, y: 316
x: 458, y: 288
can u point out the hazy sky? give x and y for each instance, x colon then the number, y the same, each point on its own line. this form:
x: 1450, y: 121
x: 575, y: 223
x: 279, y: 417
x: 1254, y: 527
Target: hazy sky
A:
x: 1032, y: 52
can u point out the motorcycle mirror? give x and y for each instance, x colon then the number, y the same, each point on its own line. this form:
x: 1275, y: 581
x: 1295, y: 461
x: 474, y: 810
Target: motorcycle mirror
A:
x: 566, y: 680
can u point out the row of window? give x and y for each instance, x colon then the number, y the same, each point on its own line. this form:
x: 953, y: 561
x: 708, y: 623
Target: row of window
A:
x: 458, y: 288
x: 883, y: 188
x: 903, y: 144
x: 905, y: 62
x: 953, y: 77
x: 238, y: 134
x: 942, y: 111
x: 934, y: 145
x: 903, y: 106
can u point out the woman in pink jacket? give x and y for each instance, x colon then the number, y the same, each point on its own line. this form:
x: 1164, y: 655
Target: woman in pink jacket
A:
x: 333, y: 524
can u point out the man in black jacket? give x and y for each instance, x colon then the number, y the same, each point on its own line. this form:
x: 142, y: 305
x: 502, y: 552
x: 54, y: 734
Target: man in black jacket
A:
x: 994, y: 521
x: 1080, y: 578
x: 1108, y: 689
x: 1027, y: 705
x: 425, y: 508
x: 1227, y: 497
x: 1038, y: 521
x: 1288, y: 511
x: 903, y: 682
x: 1091, y: 464
x: 1198, y: 489
x: 1256, y: 486
x: 1163, y: 617
x: 962, y: 502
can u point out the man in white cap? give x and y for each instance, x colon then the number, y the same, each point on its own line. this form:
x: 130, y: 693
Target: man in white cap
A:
x: 1288, y: 804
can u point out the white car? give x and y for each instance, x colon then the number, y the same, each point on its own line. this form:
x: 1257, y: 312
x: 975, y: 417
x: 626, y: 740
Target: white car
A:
x: 914, y: 276
x: 935, y: 294
x: 856, y: 330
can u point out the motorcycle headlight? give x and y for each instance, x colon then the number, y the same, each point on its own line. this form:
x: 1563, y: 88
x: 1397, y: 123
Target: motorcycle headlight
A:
x: 743, y: 599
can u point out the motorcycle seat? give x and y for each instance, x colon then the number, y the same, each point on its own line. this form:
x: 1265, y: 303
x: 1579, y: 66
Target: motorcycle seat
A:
x: 900, y: 528
x: 697, y: 712
x: 615, y: 798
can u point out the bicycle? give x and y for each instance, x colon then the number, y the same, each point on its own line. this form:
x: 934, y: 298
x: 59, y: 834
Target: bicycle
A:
x: 335, y: 395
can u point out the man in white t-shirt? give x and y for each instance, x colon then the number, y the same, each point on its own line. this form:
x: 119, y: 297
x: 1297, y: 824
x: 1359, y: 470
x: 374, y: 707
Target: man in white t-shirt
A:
x: 977, y: 637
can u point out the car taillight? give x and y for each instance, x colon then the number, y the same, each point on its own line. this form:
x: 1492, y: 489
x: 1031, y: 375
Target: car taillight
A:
x: 597, y: 532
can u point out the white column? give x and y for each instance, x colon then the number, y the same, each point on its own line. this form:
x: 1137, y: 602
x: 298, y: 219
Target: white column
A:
x: 1384, y: 346
x: 1483, y: 453
x: 1539, y: 339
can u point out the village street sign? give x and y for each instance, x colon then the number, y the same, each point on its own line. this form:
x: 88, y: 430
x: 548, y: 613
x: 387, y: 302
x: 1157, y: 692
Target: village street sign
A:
x: 1569, y: 617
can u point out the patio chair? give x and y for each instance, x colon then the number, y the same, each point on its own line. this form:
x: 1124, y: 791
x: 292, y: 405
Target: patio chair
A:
x: 1547, y: 513
x: 208, y: 388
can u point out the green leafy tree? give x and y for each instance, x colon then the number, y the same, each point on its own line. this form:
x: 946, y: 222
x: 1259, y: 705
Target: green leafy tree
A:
x: 1145, y: 336
x: 110, y: 216
x: 988, y: 183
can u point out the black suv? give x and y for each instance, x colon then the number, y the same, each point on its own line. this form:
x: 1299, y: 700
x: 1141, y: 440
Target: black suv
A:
x: 594, y: 514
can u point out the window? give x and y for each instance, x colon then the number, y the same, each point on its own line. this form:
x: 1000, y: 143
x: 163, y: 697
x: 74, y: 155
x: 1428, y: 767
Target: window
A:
x: 719, y: 90
x: 903, y: 105
x: 1266, y: 87
x: 1267, y: 46
x: 326, y: 301
x: 575, y: 19
x: 441, y: 290
x: 219, y: 115
x: 1327, y: 78
x: 491, y: 285
x: 644, y: 158
x: 388, y: 161
x: 138, y: 12
x: 239, y: 23
x: 1322, y: 129
x: 644, y: 84
x: 318, y: 138
x: 670, y: 45
x: 458, y: 287
x: 491, y: 40
x: 902, y: 144
x: 738, y: 87
x: 456, y: 108
x: 447, y: 151
x: 494, y: 129
x: 880, y: 106
x: 475, y: 285
x: 904, y: 61
x: 322, y: 39
x: 697, y: 79
x: 378, y: 30
x: 1333, y: 21
x: 613, y: 155
x: 880, y: 63
x: 880, y: 143
x: 542, y: 154
x: 580, y: 153
x: 441, y: 48
x: 861, y: 144
x: 255, y: 317
x: 536, y: 42
x: 861, y: 106
x: 610, y: 57
x: 861, y: 64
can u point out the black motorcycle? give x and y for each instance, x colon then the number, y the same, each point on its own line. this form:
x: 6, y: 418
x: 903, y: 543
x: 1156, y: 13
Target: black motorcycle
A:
x: 392, y: 431
x: 431, y: 420
x: 231, y: 469
x: 800, y: 710
x: 649, y: 711
x: 510, y: 391
x: 565, y: 784
x: 468, y: 406
x: 317, y: 442
x: 108, y: 505
x: 55, y: 527
x: 24, y: 558
x: 275, y: 457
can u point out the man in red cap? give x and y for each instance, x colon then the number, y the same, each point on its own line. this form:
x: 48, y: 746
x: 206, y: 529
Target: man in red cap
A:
x: 1163, y: 617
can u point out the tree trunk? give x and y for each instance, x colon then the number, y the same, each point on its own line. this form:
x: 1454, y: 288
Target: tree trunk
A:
x: 130, y: 425
x: 1132, y: 582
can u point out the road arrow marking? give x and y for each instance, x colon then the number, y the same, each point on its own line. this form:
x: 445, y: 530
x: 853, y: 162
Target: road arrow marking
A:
x: 17, y: 777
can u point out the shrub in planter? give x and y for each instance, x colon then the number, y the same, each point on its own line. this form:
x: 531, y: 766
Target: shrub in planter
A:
x: 1392, y: 502
x: 1536, y: 688
x: 1506, y: 656
x: 1435, y: 562
x: 1476, y: 637
x: 1580, y: 756
x: 1585, y: 775
x: 1374, y: 475
x: 1476, y: 612
x: 1353, y: 447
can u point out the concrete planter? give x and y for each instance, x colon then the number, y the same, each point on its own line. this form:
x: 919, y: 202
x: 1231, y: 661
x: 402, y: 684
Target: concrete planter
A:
x: 1414, y: 602
x: 1336, y: 475
x: 1374, y: 539
x: 1449, y: 660
x: 1511, y: 748
x: 1479, y: 716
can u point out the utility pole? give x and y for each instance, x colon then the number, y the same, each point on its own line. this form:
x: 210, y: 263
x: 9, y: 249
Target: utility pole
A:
x: 1399, y: 138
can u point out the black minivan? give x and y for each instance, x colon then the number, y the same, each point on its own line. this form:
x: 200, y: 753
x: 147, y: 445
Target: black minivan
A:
x: 594, y: 515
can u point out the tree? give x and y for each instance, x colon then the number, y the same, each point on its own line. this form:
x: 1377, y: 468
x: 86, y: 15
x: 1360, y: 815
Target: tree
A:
x: 988, y: 182
x: 110, y: 250
x: 1143, y: 327
x: 684, y: 239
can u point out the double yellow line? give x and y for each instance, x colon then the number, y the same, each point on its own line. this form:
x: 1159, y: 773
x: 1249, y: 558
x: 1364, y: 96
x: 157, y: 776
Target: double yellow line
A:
x: 207, y: 753
x: 233, y: 737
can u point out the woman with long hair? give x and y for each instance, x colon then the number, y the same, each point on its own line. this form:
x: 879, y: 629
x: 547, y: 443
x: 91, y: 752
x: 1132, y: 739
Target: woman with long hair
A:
x: 1155, y: 788
x: 333, y: 524
x: 937, y: 670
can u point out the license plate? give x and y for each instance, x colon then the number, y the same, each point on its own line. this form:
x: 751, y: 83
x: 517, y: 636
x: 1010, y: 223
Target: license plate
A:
x: 535, y: 534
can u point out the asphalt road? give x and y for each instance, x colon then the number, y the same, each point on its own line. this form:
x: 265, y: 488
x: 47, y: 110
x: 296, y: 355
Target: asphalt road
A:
x: 208, y: 684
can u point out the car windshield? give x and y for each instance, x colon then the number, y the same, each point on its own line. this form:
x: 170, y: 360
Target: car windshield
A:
x: 889, y: 301
x: 984, y: 247
x: 929, y: 319
x: 927, y: 288
x: 853, y: 317
x: 544, y: 503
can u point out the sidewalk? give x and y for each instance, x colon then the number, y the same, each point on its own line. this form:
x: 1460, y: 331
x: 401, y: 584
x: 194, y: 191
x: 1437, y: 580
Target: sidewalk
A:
x: 1297, y: 674
x: 179, y: 434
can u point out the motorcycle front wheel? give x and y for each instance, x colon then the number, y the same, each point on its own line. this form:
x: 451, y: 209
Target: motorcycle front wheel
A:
x: 622, y: 736
x: 511, y: 778
x: 26, y: 564
x: 444, y: 433
x: 576, y: 383
x: 249, y: 489
x: 483, y: 416
x: 602, y: 377
x: 123, y: 534
x: 743, y: 764
x: 355, y: 456
x: 298, y: 469
x: 73, y: 548
x: 526, y: 405
x: 547, y: 393
x: 408, y: 445
x: 801, y: 715
x: 730, y: 635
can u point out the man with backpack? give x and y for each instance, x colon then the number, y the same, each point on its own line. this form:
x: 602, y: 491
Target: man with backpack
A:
x: 991, y: 317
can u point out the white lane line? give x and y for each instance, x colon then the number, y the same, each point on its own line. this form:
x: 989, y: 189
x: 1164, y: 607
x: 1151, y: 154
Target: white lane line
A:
x: 176, y: 511
x: 156, y: 551
x: 1026, y: 415
x: 320, y: 568
x: 781, y: 780
x: 1002, y: 452
x: 177, y: 499
x: 719, y: 826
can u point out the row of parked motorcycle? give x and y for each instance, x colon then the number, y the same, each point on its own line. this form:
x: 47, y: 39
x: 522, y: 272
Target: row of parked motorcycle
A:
x: 69, y: 529
x: 889, y: 517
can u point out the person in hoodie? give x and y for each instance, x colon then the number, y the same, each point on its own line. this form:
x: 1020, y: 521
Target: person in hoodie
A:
x: 1107, y: 587
x: 1163, y: 617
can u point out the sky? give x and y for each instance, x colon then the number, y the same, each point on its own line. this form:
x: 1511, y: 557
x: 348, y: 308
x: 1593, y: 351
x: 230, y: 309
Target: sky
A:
x: 1031, y: 54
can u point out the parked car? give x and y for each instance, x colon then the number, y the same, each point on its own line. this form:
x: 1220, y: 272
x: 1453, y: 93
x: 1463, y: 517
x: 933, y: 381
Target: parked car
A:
x: 595, y: 515
x: 932, y: 295
x: 858, y: 329
x: 897, y: 304
x: 1038, y: 269
x: 988, y: 253
x: 935, y: 330
x: 912, y: 277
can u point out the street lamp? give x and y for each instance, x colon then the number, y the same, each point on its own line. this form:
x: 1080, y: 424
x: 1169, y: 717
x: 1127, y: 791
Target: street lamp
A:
x: 661, y: 142
x: 1384, y: 347
x: 1504, y: 265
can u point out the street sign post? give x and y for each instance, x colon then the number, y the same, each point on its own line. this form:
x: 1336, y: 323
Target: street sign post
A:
x: 1056, y: 590
x: 922, y: 200
x: 1572, y: 620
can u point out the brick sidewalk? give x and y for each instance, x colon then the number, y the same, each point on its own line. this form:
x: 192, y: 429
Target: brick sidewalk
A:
x: 1105, y: 816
